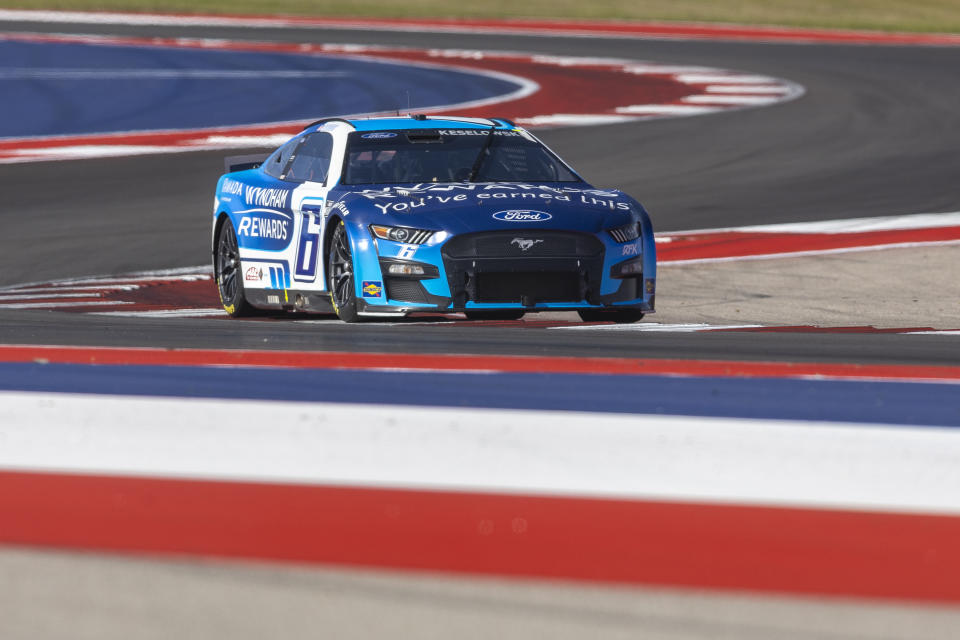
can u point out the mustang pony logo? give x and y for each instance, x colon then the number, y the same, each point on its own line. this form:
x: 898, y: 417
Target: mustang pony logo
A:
x: 525, y: 243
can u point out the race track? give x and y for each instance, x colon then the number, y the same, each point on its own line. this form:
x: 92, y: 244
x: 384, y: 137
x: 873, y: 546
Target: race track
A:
x: 872, y: 135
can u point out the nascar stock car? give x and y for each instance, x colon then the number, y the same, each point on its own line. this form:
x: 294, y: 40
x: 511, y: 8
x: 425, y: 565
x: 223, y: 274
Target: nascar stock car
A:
x: 381, y: 217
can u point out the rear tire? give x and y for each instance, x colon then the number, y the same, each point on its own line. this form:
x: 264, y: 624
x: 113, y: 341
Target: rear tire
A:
x: 227, y: 272
x: 340, y: 282
x: 620, y: 316
x: 482, y: 314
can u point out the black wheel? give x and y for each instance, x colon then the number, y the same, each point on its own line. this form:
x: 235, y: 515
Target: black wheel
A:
x: 226, y: 271
x: 620, y: 316
x: 340, y: 276
x: 483, y: 314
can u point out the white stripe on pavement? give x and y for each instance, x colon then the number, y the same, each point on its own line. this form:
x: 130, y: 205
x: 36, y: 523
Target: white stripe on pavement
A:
x: 774, y: 462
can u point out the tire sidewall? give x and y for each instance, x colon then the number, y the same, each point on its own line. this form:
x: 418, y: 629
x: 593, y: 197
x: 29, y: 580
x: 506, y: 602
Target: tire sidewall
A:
x: 237, y: 305
x: 346, y: 310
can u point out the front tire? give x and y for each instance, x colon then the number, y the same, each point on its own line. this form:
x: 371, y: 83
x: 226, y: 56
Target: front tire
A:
x: 226, y: 271
x: 340, y: 280
x: 620, y: 316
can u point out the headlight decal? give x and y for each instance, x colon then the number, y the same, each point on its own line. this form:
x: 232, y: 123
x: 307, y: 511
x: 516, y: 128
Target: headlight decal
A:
x: 406, y: 235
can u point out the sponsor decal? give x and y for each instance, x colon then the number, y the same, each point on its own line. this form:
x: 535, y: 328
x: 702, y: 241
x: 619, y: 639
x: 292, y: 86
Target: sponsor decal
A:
x: 407, y: 199
x: 340, y: 207
x: 522, y: 215
x: 254, y: 274
x: 631, y: 249
x: 379, y: 135
x: 525, y: 243
x: 267, y: 198
x: 280, y: 276
x: 479, y: 132
x: 650, y: 285
x: 264, y: 230
x: 562, y: 193
x: 372, y: 288
x: 232, y: 187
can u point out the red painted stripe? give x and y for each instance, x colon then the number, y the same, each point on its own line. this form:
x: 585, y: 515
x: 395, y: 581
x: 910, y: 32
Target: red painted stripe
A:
x: 608, y: 28
x: 695, y: 545
x: 520, y: 364
x: 734, y: 244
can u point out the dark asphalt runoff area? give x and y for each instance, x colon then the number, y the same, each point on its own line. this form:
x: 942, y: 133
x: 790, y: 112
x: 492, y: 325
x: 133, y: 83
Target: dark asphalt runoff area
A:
x: 875, y: 134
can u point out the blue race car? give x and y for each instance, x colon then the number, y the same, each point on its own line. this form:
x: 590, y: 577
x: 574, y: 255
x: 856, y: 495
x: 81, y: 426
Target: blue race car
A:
x: 383, y: 217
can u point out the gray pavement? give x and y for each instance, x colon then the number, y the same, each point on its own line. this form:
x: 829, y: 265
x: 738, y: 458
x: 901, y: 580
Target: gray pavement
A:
x: 911, y: 287
x: 48, y: 595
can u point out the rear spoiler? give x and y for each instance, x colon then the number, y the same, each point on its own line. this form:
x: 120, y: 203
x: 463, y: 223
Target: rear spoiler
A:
x: 242, y: 163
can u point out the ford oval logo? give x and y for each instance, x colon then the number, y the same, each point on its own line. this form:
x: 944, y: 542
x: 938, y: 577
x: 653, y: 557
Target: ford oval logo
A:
x: 521, y: 215
x: 378, y: 135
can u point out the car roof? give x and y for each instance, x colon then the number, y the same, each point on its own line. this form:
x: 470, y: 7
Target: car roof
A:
x: 418, y: 121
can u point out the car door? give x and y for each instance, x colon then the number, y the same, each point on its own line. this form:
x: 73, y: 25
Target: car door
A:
x: 309, y: 167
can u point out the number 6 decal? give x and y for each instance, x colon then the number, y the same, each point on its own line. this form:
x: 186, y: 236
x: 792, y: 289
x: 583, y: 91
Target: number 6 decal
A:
x: 308, y: 246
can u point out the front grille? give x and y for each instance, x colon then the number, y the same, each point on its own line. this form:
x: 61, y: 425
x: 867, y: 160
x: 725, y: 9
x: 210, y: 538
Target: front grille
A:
x: 528, y: 287
x: 405, y: 290
x: 524, y: 243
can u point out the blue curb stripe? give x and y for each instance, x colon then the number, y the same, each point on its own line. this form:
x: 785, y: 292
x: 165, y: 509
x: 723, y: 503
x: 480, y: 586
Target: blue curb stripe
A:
x: 920, y: 404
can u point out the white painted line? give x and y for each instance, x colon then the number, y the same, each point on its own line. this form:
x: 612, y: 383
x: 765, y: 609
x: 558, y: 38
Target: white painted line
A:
x: 655, y: 327
x: 274, y: 140
x: 950, y: 332
x: 53, y: 294
x: 58, y: 305
x: 58, y: 289
x: 849, y: 225
x: 573, y: 119
x: 815, y: 252
x: 654, y: 68
x: 145, y: 19
x: 827, y: 465
x: 725, y: 99
x: 88, y: 151
x: 166, y: 313
x: 667, y: 109
x: 726, y: 88
x: 190, y: 274
x: 162, y: 74
x: 723, y: 78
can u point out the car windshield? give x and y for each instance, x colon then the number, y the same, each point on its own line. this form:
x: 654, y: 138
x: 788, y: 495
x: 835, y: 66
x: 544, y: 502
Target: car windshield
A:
x: 450, y: 155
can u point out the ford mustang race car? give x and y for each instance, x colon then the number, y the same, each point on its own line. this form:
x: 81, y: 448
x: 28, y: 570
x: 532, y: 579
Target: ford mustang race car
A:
x: 382, y: 217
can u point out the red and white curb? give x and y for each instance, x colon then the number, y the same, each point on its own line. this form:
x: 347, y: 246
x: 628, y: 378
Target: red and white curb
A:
x: 523, y: 27
x: 799, y: 239
x: 554, y: 91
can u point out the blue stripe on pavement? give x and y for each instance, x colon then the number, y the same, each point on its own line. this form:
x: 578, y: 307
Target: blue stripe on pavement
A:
x: 70, y: 88
x: 921, y: 404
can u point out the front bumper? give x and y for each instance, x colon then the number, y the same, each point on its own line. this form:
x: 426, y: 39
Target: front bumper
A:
x: 529, y: 270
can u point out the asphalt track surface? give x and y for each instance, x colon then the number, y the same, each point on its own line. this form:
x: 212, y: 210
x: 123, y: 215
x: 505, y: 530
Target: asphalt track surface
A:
x: 874, y: 135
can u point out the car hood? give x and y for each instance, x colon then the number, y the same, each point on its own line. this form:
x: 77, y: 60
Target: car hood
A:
x: 464, y: 208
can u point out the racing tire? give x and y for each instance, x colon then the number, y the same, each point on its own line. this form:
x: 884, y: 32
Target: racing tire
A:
x: 482, y: 314
x: 340, y: 281
x: 227, y: 273
x: 620, y: 316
